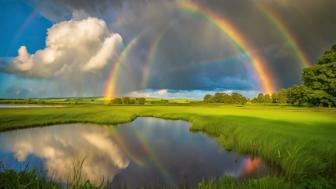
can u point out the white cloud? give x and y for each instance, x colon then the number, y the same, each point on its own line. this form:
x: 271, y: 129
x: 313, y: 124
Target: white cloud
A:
x: 74, y: 46
x: 107, y: 51
x: 187, y: 94
x: 59, y: 149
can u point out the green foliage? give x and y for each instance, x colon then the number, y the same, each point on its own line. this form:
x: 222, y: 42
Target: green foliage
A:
x: 230, y: 183
x: 319, y: 84
x: 10, y: 179
x: 140, y: 100
x: 328, y: 56
x: 234, y: 98
x: 126, y: 100
x: 117, y: 101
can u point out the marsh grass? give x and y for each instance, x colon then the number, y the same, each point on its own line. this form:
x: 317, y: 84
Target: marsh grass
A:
x: 300, y: 141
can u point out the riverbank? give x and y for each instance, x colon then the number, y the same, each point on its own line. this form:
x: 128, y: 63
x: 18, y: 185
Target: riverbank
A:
x: 299, y: 140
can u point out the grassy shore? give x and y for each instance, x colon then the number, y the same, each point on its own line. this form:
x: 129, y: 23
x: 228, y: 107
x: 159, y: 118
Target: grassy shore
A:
x: 300, y: 141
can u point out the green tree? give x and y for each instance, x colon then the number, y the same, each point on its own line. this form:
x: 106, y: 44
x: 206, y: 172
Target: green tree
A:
x: 126, y: 100
x: 218, y: 97
x: 298, y: 95
x: 282, y: 96
x: 117, y: 101
x: 267, y: 98
x: 238, y: 98
x: 207, y: 98
x: 329, y: 56
x: 321, y: 80
x: 140, y: 100
x: 259, y: 99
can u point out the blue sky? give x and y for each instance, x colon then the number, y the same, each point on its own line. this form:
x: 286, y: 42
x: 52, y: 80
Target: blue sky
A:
x: 21, y: 25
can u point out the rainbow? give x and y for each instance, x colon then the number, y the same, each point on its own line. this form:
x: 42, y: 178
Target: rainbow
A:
x: 110, y: 87
x: 151, y: 55
x: 151, y: 155
x: 122, y: 144
x: 264, y: 79
x: 287, y: 35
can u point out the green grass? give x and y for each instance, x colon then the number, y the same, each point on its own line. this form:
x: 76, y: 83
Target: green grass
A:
x: 300, y: 141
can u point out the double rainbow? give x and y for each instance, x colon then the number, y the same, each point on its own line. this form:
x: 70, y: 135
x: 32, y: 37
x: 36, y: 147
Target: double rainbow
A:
x: 255, y: 61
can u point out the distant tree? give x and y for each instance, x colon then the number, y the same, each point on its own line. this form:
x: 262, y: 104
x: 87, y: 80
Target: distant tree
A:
x: 164, y: 101
x: 282, y: 96
x: 207, y: 98
x: 275, y: 98
x: 234, y: 98
x: 259, y: 99
x: 238, y: 98
x: 267, y: 98
x: 117, y: 101
x: 140, y: 100
x: 218, y: 97
x: 228, y: 99
x: 126, y: 100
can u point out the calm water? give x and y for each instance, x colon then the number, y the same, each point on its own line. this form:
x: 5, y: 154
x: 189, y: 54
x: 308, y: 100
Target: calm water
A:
x: 146, y: 152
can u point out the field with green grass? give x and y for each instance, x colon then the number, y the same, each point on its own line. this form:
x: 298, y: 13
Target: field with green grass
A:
x: 300, y: 142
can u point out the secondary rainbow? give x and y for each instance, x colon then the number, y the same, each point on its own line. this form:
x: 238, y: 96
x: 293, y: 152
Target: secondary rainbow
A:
x: 151, y: 56
x: 110, y: 87
x: 264, y: 79
x: 287, y: 35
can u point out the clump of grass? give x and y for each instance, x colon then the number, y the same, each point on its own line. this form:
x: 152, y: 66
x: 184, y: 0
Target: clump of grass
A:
x: 76, y: 181
x: 230, y: 183
x: 27, y: 179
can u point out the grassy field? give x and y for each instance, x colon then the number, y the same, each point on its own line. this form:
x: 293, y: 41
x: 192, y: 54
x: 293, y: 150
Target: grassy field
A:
x: 300, y: 141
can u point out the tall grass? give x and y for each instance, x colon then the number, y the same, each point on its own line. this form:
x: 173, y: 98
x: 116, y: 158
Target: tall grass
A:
x: 300, y: 141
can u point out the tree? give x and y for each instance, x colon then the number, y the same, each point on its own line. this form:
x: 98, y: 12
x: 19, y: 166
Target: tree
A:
x: 234, y: 98
x: 321, y: 80
x: 267, y: 99
x: 282, y: 96
x: 319, y: 84
x: 117, y: 101
x: 126, y: 100
x: 328, y: 57
x: 298, y: 95
x: 259, y: 99
x: 140, y: 100
x: 238, y: 98
x: 218, y: 97
x: 207, y: 98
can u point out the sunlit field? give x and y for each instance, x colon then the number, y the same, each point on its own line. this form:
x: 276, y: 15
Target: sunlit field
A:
x: 300, y: 142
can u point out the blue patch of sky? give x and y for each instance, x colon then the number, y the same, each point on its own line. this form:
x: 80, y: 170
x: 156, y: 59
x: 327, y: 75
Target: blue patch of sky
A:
x: 21, y: 24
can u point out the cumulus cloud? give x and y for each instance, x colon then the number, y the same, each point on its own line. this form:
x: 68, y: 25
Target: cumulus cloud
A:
x: 77, y: 57
x: 74, y: 46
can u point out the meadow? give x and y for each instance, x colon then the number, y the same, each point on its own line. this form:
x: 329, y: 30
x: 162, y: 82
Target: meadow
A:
x: 299, y: 141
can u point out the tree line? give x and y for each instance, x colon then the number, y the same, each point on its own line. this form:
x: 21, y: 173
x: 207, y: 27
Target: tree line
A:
x: 234, y: 98
x: 318, y: 87
x: 128, y: 100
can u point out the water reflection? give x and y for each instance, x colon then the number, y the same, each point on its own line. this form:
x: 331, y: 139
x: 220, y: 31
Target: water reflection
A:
x: 60, y: 146
x: 146, y: 152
